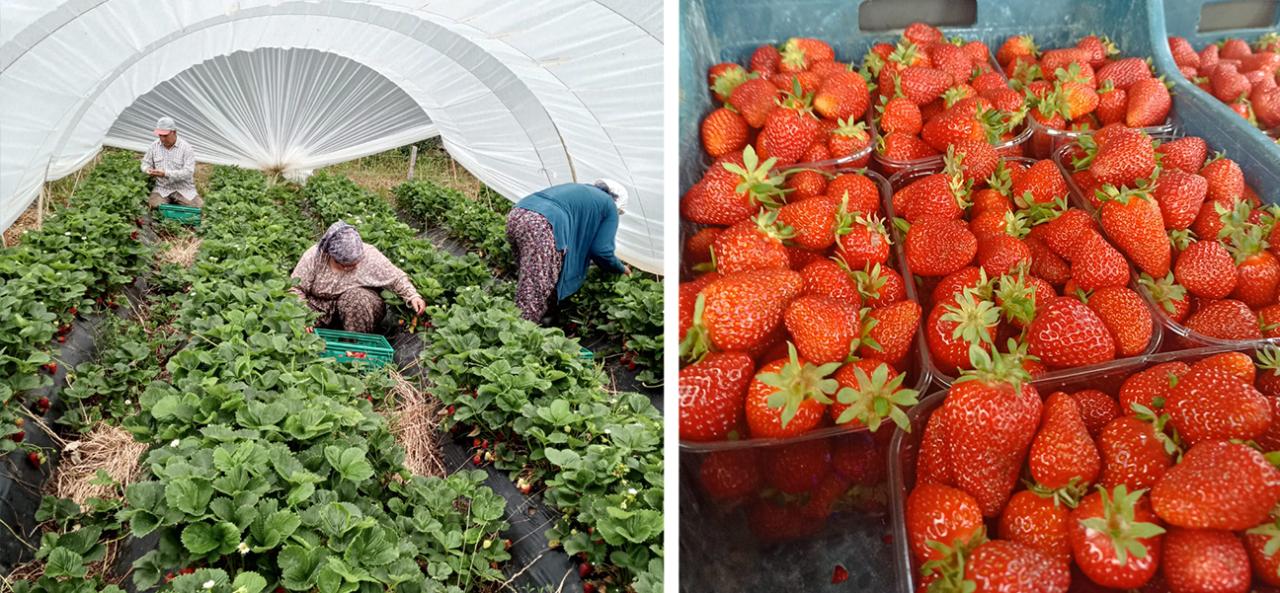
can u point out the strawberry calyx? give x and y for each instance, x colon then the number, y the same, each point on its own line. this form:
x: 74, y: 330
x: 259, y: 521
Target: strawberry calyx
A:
x: 793, y: 55
x: 1181, y: 239
x: 869, y: 280
x: 1235, y: 220
x: 992, y: 367
x: 756, y: 181
x: 1017, y: 224
x: 1165, y: 291
x: 995, y: 123
x: 1122, y: 195
x: 1118, y: 523
x: 953, y: 95
x: 1001, y: 179
x: 1272, y: 532
x: 767, y: 224
x: 797, y: 382
x: 730, y: 79
x: 1017, y: 299
x: 864, y: 337
x: 1246, y: 244
x: 1268, y: 358
x: 950, y: 563
x: 1089, y: 146
x: 974, y: 317
x: 872, y: 63
x: 796, y: 99
x: 1159, y: 422
x: 1068, y: 496
x: 849, y: 128
x: 905, y: 53
x: 877, y: 397
x: 697, y: 341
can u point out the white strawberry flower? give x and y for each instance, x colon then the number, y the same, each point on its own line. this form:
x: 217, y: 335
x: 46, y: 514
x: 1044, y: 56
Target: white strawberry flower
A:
x: 243, y: 548
x: 174, y: 443
x: 208, y: 584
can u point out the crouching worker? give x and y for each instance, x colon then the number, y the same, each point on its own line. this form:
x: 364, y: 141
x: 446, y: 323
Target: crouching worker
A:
x: 341, y: 278
x: 555, y: 234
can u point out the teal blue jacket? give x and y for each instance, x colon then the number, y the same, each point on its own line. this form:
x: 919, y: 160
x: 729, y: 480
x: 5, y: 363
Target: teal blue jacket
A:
x: 585, y: 222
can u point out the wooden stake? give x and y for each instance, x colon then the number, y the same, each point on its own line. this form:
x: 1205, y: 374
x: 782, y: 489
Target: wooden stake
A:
x: 413, y: 159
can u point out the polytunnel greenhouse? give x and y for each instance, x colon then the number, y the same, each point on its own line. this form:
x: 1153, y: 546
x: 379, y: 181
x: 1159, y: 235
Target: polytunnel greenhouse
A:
x: 331, y: 295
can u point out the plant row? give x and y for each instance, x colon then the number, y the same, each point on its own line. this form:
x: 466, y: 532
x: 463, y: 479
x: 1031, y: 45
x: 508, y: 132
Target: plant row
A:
x: 606, y: 306
x: 74, y: 262
x: 267, y: 469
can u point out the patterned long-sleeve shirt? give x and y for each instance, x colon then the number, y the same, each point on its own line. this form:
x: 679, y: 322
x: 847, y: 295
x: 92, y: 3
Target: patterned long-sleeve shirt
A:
x: 317, y: 279
x: 178, y: 164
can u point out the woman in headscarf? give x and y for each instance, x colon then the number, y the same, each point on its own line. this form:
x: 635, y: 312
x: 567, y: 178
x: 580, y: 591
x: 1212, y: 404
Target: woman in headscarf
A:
x: 341, y: 278
x: 554, y: 233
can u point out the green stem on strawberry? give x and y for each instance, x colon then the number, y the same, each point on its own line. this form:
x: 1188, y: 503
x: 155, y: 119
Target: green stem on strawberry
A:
x: 975, y: 316
x: 1118, y: 523
x: 697, y: 341
x: 797, y: 382
x: 995, y: 367
x: 1165, y: 292
x: 877, y: 397
x: 1017, y: 299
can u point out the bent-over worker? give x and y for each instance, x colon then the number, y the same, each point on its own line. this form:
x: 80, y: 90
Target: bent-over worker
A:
x: 341, y: 278
x: 554, y: 232
x: 172, y: 162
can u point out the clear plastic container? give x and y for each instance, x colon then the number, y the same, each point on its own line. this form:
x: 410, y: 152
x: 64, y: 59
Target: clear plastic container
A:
x: 905, y: 445
x: 904, y: 178
x: 1179, y: 337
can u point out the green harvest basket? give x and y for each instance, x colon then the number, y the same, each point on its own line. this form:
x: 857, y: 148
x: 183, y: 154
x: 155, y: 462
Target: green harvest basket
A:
x: 585, y: 354
x: 372, y: 349
x: 184, y: 214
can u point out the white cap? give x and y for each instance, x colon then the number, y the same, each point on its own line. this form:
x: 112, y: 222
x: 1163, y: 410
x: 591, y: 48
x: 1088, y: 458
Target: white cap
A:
x: 165, y: 125
x: 615, y: 189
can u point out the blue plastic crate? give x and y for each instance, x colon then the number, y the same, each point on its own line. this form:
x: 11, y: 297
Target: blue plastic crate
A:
x: 1198, y: 113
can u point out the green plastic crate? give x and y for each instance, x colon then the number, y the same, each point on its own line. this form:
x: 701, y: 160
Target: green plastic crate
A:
x: 585, y: 354
x: 372, y: 349
x: 189, y: 215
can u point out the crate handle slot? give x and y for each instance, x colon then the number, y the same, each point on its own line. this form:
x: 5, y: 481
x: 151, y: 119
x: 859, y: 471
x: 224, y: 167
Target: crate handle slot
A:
x: 1237, y: 14
x: 894, y: 15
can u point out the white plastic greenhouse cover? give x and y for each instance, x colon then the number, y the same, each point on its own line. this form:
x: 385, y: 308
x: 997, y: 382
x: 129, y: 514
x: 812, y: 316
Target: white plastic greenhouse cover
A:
x: 523, y: 93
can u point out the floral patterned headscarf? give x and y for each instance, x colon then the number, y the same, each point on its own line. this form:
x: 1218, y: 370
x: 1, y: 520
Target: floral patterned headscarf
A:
x: 342, y: 243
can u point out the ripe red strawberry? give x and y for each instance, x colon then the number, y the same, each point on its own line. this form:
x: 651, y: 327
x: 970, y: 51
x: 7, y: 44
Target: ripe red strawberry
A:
x: 798, y: 467
x: 954, y: 325
x: 1180, y: 195
x: 1123, y: 159
x: 1133, y: 222
x: 823, y: 329
x: 901, y: 147
x: 977, y: 160
x: 812, y: 221
x: 35, y: 459
x: 939, y: 195
x: 754, y: 99
x: 765, y: 60
x: 1263, y: 553
x: 842, y: 95
x: 933, y: 463
x: 870, y: 393
x: 1227, y: 83
x: 1126, y: 316
x: 1046, y: 264
x: 1097, y: 409
x: 732, y: 474
x: 1001, y: 254
x: 805, y: 184
x: 724, y: 132
x: 808, y: 82
x: 1257, y: 273
x: 1226, y: 180
x: 1113, y: 105
x: 1062, y: 452
x: 724, y: 77
x: 863, y: 193
x: 861, y: 240
x: 991, y: 418
x: 1040, y: 184
x: 1205, y: 560
x: 799, y: 257
x: 788, y: 132
x: 1149, y: 104
x: 939, y: 246
x: 950, y: 127
x: 741, y: 310
x: 1227, y: 319
x: 937, y: 513
x: 1237, y: 364
x: 711, y: 395
x: 1171, y: 297
x: 1115, y: 538
x: 1206, y: 270
x: 754, y: 244
x: 1186, y: 154
x: 1183, y: 53
x: 1000, y: 565
x: 716, y: 199
x: 849, y: 138
x: 1038, y: 521
x: 922, y: 34
x: 1063, y: 234
x: 1066, y: 333
x: 697, y: 249
x: 1124, y: 72
x: 900, y: 115
x: 890, y: 331
x: 859, y: 458
x: 1150, y: 387
x: 880, y: 286
x: 688, y: 299
x: 920, y: 84
x: 1209, y: 404
x: 799, y: 53
x: 1217, y: 485
x: 1014, y: 47
x: 827, y: 278
x: 788, y: 397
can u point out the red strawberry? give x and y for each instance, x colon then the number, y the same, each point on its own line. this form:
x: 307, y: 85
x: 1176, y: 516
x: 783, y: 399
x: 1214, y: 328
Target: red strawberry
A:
x: 697, y: 249
x: 724, y: 132
x: 1038, y: 521
x: 711, y: 395
x: 823, y: 329
x: 939, y: 246
x: 1126, y: 316
x: 939, y: 195
x: 1097, y: 409
x: 1205, y: 560
x: 1227, y: 83
x: 937, y: 513
x: 1217, y: 485
x: 1066, y: 333
x: 1113, y: 105
x: 1000, y: 565
x: 1150, y: 387
x: 1062, y: 452
x: 827, y: 278
x: 880, y: 286
x: 1115, y: 538
x: 920, y: 84
x: 991, y: 418
x: 1257, y: 273
x: 812, y: 221
x: 849, y: 138
x: 842, y: 95
x: 1041, y: 184
x: 863, y: 193
x: 754, y: 244
x: 1180, y: 195
x: 1134, y: 453
x: 1226, y: 180
x: 1015, y: 47
x: 688, y: 299
x: 1208, y: 404
x: 977, y: 160
x: 1186, y: 154
x: 1124, y: 72
x: 1263, y: 553
x: 839, y: 575
x: 933, y: 463
x: 1168, y: 295
x: 955, y: 325
x: 35, y: 459
x: 1183, y: 53
x: 866, y: 386
x: 754, y: 99
x: 806, y: 183
x: 741, y: 310
x: 731, y: 474
x: 950, y: 127
x: 890, y: 331
x: 1227, y: 319
x: 1133, y: 222
x: 716, y: 199
x: 1063, y: 234
x: 799, y: 53
x: 862, y: 239
x: 922, y: 34
x: 788, y: 397
x: 725, y: 77
x: 1149, y: 104
x: 798, y: 467
x: 1045, y: 263
x: 900, y: 115
x: 1206, y: 270
x: 787, y: 133
x: 1123, y: 159
x: 897, y: 146
x: 859, y: 458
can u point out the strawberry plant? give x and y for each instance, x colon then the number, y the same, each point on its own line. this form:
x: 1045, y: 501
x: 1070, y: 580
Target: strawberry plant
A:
x: 610, y: 306
x: 473, y: 222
